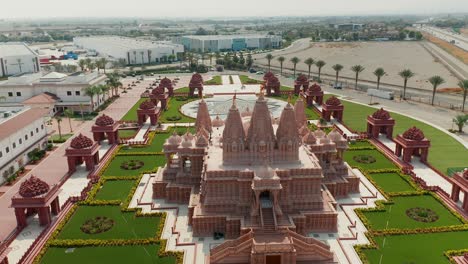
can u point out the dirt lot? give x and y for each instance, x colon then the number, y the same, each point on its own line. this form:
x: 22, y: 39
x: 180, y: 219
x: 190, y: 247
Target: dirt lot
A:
x: 392, y: 56
x: 452, y: 49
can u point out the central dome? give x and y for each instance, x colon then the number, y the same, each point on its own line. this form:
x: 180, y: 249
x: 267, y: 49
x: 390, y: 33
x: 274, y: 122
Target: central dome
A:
x: 81, y: 142
x: 414, y: 133
x: 104, y: 120
x: 333, y: 101
x: 33, y: 187
x: 146, y: 105
x: 381, y: 114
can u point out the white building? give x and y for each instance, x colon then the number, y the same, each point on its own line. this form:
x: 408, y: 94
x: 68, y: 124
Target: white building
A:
x: 133, y: 51
x: 17, y: 58
x: 214, y: 43
x: 54, y: 91
x: 20, y: 133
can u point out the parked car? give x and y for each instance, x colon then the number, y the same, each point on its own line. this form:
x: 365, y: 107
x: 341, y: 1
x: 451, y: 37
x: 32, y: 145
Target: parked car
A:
x: 252, y: 70
x: 260, y: 73
x: 337, y: 86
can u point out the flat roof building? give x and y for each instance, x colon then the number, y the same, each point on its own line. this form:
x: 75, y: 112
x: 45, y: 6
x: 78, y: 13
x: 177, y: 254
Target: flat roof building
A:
x: 214, y: 43
x: 16, y: 58
x: 133, y: 51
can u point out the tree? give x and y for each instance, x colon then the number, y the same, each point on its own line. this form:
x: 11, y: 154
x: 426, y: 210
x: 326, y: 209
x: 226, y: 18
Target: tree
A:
x: 59, y: 120
x: 435, y: 81
x: 379, y: 72
x: 406, y: 75
x: 92, y: 66
x: 114, y: 83
x: 91, y: 92
x: 82, y: 64
x: 319, y: 64
x: 210, y: 56
x: 463, y: 84
x: 337, y: 68
x: 88, y: 62
x: 281, y: 59
x: 309, y: 62
x: 102, y: 64
x: 69, y: 114
x: 357, y: 69
x: 295, y: 61
x: 460, y: 121
x: 81, y: 110
x: 269, y: 57
x: 249, y: 61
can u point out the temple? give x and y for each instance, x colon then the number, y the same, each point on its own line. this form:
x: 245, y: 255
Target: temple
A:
x: 261, y: 185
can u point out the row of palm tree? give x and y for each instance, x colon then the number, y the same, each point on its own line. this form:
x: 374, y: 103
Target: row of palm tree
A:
x: 406, y: 74
x: 91, y: 65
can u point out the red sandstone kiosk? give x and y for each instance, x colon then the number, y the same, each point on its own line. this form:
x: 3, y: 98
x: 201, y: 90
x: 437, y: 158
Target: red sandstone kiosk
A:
x: 148, y: 109
x: 82, y: 149
x: 158, y: 95
x: 332, y: 107
x: 196, y: 82
x: 272, y: 83
x: 105, y: 125
x: 35, y: 196
x: 380, y: 122
x: 460, y: 183
x: 301, y: 82
x: 314, y: 93
x: 166, y: 83
x: 267, y: 76
x: 412, y: 143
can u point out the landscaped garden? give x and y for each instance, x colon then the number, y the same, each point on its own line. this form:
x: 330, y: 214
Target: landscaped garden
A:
x: 173, y: 115
x: 131, y: 115
x: 115, y: 190
x: 392, y: 182
x: 247, y: 80
x: 371, y: 159
x: 119, y: 162
x: 216, y: 80
x: 127, y: 133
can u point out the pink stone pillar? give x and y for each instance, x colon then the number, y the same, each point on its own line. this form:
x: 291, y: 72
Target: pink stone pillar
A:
x: 465, y: 202
x: 55, y: 206
x: 319, y: 99
x: 89, y: 163
x: 297, y: 89
x: 153, y: 119
x: 141, y: 119
x: 424, y: 153
x: 71, y: 164
x: 20, y: 217
x: 44, y: 216
x: 407, y: 153
x: 326, y: 115
x: 389, y: 132
x: 397, y: 150
x: 455, y: 196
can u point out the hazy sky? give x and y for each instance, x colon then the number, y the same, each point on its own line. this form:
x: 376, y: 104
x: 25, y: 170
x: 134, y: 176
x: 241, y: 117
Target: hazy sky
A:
x: 221, y: 8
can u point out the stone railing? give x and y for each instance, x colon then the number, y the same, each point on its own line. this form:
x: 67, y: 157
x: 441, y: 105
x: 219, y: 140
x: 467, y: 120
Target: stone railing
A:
x: 231, y: 243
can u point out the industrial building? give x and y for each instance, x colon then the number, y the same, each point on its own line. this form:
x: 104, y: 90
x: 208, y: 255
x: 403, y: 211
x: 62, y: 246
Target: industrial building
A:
x: 133, y: 51
x: 16, y: 58
x: 214, y: 43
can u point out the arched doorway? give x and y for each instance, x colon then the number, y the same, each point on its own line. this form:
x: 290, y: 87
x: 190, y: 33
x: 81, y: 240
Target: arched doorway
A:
x: 266, y: 200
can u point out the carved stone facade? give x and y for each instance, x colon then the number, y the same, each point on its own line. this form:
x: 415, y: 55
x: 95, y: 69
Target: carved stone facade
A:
x: 332, y: 107
x: 314, y: 93
x: 196, y: 83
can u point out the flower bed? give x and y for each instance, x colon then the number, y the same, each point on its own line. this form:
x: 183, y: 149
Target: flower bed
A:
x: 365, y: 159
x: 97, y: 225
x: 419, y: 214
x: 132, y: 165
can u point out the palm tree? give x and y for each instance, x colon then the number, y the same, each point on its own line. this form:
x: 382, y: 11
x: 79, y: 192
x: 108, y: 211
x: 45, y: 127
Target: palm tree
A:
x: 59, y: 120
x: 92, y: 66
x: 405, y: 74
x: 281, y: 59
x: 320, y: 64
x: 142, y: 53
x: 210, y: 56
x: 357, y: 69
x: 114, y: 83
x: 295, y: 61
x: 435, y: 81
x: 82, y: 64
x: 337, y: 68
x: 102, y: 64
x: 105, y: 89
x: 88, y: 62
x: 464, y: 85
x: 460, y: 121
x: 81, y: 110
x: 99, y: 91
x: 309, y: 62
x: 90, y: 91
x: 69, y: 114
x: 269, y: 57
x: 379, y: 72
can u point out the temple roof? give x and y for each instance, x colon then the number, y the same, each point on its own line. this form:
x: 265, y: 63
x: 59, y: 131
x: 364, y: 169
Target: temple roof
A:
x: 287, y: 128
x: 158, y: 90
x: 381, y: 114
x: 465, y: 174
x: 202, y: 141
x: 333, y: 101
x: 146, y: 105
x: 268, y: 75
x: 303, y: 130
x: 334, y: 135
x: 165, y: 81
x: 302, y: 78
x: 315, y: 88
x: 175, y: 139
x: 273, y: 80
x: 81, y: 142
x: 104, y: 120
x: 233, y: 129
x: 187, y: 141
x: 309, y: 138
x: 33, y: 187
x: 217, y: 122
x: 196, y: 78
x: 413, y: 133
x: 299, y: 110
x: 203, y: 117
x: 246, y: 112
x: 261, y: 128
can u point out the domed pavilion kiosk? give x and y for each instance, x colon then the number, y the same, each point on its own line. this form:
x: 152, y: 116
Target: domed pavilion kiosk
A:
x: 103, y: 126
x: 412, y: 143
x: 380, y: 122
x: 82, y: 149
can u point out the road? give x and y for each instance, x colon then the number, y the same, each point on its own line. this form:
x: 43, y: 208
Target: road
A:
x: 460, y: 40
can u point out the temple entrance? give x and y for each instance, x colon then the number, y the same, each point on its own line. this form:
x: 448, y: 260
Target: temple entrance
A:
x: 265, y: 199
x: 274, y: 259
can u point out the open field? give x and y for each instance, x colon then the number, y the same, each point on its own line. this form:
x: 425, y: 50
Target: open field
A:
x: 392, y: 56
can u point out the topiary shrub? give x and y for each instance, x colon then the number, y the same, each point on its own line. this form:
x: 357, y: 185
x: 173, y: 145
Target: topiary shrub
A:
x: 419, y: 214
x: 132, y: 165
x: 365, y: 159
x: 99, y: 224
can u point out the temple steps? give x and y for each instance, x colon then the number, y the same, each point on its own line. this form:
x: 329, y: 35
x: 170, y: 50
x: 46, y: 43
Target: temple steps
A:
x: 269, y: 225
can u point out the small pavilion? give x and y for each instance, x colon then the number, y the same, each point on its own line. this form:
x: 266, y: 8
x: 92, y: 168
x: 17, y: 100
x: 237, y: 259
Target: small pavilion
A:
x: 301, y: 82
x: 103, y: 126
x: 166, y: 83
x: 35, y: 196
x: 158, y: 95
x: 460, y: 184
x: 82, y: 149
x: 380, y: 122
x: 412, y: 143
x: 148, y: 109
x: 196, y: 82
x: 332, y: 107
x: 314, y: 93
x: 272, y: 83
x: 267, y: 76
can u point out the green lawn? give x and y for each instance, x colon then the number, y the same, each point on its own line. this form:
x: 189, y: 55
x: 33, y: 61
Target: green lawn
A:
x: 58, y: 139
x: 360, y: 144
x: 381, y: 161
x: 247, y: 80
x: 182, y: 90
x: 127, y: 133
x: 131, y: 115
x: 216, y: 80
x: 396, y: 216
x: 445, y: 151
x: 391, y: 182
x: 126, y: 224
x: 150, y: 163
x: 146, y: 254
x: 416, y: 249
x: 173, y: 110
x: 114, y: 190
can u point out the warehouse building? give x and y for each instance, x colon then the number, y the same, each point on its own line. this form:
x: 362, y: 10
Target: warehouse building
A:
x: 214, y: 43
x: 133, y: 51
x: 16, y: 58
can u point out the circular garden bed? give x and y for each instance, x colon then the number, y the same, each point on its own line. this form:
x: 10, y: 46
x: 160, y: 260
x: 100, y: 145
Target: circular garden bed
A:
x: 419, y: 214
x: 132, y: 165
x: 366, y: 159
x: 174, y: 118
x: 99, y: 224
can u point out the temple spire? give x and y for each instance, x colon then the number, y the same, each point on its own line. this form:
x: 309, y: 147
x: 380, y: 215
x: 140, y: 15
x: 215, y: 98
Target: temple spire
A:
x: 203, y: 117
x: 299, y: 110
